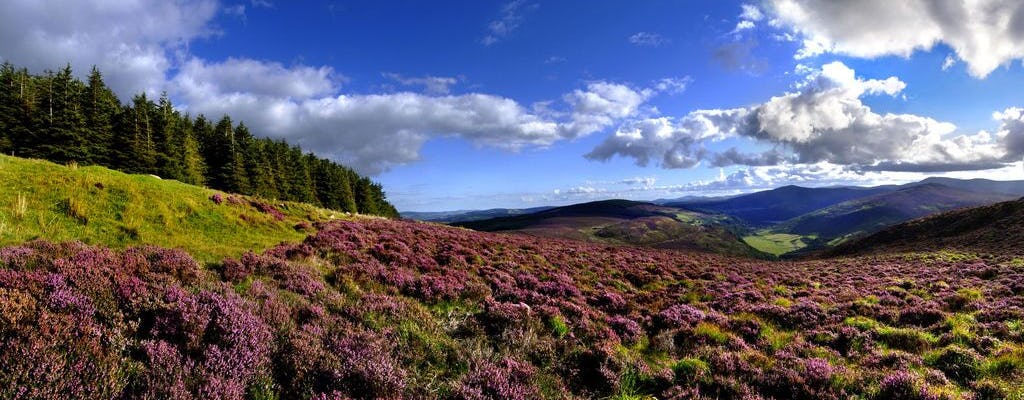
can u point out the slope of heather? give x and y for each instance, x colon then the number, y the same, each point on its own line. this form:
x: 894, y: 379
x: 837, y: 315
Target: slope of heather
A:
x: 996, y: 229
x: 95, y: 205
x: 627, y: 222
x: 386, y: 309
x: 773, y: 206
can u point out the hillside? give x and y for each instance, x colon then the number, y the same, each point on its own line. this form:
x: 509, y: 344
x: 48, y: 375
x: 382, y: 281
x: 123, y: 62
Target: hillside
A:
x: 627, y: 222
x: 833, y: 224
x: 996, y: 229
x: 773, y: 206
x: 1015, y: 188
x: 96, y: 205
x: 389, y: 309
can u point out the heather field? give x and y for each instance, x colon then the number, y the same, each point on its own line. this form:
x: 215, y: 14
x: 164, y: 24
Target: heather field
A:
x: 385, y: 309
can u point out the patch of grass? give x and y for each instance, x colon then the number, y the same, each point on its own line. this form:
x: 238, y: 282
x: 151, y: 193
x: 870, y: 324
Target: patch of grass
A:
x: 558, y: 326
x: 712, y: 333
x: 906, y: 339
x: 1006, y: 362
x: 691, y: 370
x: 100, y: 206
x: 775, y: 243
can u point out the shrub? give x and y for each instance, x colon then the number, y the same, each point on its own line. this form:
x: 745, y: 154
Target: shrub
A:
x: 903, y: 385
x: 906, y: 339
x: 959, y: 364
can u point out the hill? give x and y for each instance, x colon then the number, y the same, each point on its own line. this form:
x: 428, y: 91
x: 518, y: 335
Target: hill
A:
x: 1015, y: 188
x: 996, y: 229
x: 770, y: 207
x: 833, y: 224
x: 448, y: 217
x: 96, y: 205
x: 376, y: 308
x: 628, y: 223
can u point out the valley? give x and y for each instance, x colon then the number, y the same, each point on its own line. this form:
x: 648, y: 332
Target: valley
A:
x: 789, y: 221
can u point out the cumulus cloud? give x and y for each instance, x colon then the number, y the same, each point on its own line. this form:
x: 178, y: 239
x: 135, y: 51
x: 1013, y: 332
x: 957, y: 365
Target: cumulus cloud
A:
x: 142, y: 45
x: 823, y: 120
x: 649, y: 39
x: 984, y: 34
x: 132, y: 42
x: 375, y: 132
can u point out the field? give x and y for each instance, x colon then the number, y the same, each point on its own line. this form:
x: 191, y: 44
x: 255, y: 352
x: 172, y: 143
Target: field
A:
x: 96, y: 205
x: 776, y: 243
x: 374, y: 308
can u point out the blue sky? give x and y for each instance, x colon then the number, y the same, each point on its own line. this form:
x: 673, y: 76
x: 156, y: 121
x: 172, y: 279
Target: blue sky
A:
x: 476, y: 104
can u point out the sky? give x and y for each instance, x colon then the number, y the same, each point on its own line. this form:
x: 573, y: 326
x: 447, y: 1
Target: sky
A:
x: 482, y: 104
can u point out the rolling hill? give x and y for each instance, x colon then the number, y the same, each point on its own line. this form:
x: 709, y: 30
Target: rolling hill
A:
x: 831, y: 225
x: 628, y: 223
x: 770, y: 207
x: 996, y: 229
x: 100, y: 206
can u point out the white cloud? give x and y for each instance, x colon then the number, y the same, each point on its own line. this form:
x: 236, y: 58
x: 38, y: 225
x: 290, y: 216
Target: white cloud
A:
x: 743, y: 25
x: 132, y: 42
x: 948, y: 63
x: 673, y: 85
x: 751, y: 13
x: 431, y: 84
x: 374, y: 132
x: 985, y: 34
x: 511, y: 19
x: 824, y: 120
x: 641, y: 181
x: 648, y: 39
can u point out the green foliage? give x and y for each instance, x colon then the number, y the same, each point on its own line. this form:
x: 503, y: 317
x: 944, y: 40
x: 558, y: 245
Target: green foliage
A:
x: 959, y: 364
x: 558, y: 326
x: 56, y: 117
x: 906, y: 339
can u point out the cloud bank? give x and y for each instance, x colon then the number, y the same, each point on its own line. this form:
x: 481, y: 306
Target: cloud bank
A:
x: 822, y: 120
x: 984, y: 34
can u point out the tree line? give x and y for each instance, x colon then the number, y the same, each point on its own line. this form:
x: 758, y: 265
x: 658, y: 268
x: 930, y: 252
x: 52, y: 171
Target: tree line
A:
x: 57, y: 117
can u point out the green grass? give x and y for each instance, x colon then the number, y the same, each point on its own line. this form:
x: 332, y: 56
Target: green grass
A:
x: 775, y: 243
x: 99, y: 206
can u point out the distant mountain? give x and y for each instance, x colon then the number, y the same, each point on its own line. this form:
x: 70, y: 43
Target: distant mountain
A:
x: 448, y: 217
x: 867, y: 215
x: 628, y: 223
x: 773, y: 206
x: 996, y: 229
x: 1015, y: 188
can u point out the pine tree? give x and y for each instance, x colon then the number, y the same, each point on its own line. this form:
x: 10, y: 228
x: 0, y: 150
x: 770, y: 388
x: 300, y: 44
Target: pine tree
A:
x: 63, y: 137
x: 57, y: 117
x: 168, y: 146
x: 8, y: 107
x: 100, y: 108
x: 138, y: 153
x: 193, y: 167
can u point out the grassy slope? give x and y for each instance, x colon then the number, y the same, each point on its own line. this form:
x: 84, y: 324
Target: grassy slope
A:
x: 775, y: 243
x: 96, y: 205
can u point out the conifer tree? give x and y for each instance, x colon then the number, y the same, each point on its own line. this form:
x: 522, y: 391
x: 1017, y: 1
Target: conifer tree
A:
x: 100, y: 108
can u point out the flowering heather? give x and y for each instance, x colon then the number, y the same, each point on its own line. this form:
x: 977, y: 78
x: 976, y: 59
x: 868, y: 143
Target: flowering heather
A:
x: 388, y: 309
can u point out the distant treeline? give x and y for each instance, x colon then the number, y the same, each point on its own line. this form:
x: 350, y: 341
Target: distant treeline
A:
x: 55, y: 116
